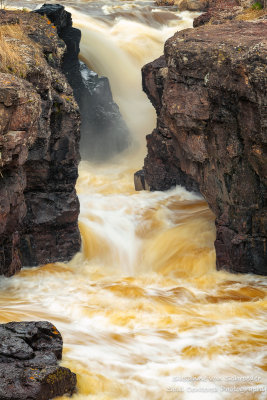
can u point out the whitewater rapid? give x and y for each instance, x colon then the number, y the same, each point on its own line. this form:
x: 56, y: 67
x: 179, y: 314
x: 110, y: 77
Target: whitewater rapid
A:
x: 143, y: 312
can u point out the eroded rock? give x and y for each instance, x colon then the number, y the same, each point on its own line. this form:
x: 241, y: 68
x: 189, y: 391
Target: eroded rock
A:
x: 39, y: 136
x: 209, y: 91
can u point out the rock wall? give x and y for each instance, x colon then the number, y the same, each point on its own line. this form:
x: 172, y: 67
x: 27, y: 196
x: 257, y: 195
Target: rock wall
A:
x: 39, y: 135
x: 209, y: 91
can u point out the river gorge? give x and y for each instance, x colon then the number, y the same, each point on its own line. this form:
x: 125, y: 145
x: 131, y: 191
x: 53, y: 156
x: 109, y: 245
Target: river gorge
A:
x: 143, y: 312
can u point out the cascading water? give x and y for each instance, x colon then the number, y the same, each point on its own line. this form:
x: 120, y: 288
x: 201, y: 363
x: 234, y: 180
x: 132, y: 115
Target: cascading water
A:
x: 118, y: 49
x: 143, y: 312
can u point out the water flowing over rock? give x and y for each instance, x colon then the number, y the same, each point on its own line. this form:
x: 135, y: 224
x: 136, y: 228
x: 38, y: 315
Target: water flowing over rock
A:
x: 209, y: 91
x: 103, y: 131
x: 39, y: 151
x: 29, y: 354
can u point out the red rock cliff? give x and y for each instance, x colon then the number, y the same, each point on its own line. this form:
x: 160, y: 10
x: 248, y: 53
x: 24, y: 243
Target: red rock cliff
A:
x: 209, y: 90
x: 39, y: 135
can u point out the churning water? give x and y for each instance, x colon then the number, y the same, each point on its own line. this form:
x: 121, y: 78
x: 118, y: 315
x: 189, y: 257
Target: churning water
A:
x: 142, y: 310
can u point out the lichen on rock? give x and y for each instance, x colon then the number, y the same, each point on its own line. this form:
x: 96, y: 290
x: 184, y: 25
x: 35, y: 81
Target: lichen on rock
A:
x: 39, y: 136
x: 29, y: 355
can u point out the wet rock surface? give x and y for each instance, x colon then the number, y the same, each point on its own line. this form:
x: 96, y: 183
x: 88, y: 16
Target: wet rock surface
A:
x: 103, y: 130
x: 209, y: 91
x: 29, y: 355
x: 39, y: 136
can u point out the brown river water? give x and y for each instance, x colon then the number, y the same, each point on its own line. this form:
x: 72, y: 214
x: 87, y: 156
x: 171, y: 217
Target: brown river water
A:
x: 143, y: 312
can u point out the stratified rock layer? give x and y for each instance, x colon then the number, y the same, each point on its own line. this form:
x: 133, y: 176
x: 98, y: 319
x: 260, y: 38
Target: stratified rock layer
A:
x: 209, y: 91
x: 39, y: 135
x: 29, y: 370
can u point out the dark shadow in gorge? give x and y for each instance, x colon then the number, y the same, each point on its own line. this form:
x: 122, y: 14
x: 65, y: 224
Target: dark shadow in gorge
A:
x: 103, y: 130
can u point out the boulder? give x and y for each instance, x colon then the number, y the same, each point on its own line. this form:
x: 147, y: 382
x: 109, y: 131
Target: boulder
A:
x: 192, y: 5
x: 29, y: 355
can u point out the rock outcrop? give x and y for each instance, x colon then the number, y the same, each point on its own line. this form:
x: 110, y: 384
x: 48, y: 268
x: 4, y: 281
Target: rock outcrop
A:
x: 39, y: 135
x: 217, y: 11
x: 209, y: 91
x: 29, y: 355
x: 220, y: 11
x: 103, y: 130
x: 190, y: 5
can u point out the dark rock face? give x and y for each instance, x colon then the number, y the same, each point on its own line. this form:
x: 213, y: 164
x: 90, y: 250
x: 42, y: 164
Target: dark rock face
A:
x: 209, y: 91
x: 39, y: 154
x: 161, y: 173
x: 29, y: 370
x: 20, y: 108
x: 103, y: 131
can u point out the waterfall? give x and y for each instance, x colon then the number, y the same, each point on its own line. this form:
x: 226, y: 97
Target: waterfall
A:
x: 143, y: 312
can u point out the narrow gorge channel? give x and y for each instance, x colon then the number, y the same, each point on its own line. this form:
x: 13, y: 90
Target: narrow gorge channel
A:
x: 142, y: 310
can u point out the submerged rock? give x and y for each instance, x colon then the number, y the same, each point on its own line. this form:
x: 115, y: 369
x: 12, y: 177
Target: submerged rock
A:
x: 103, y: 130
x: 139, y: 181
x: 29, y: 355
x: 209, y: 91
